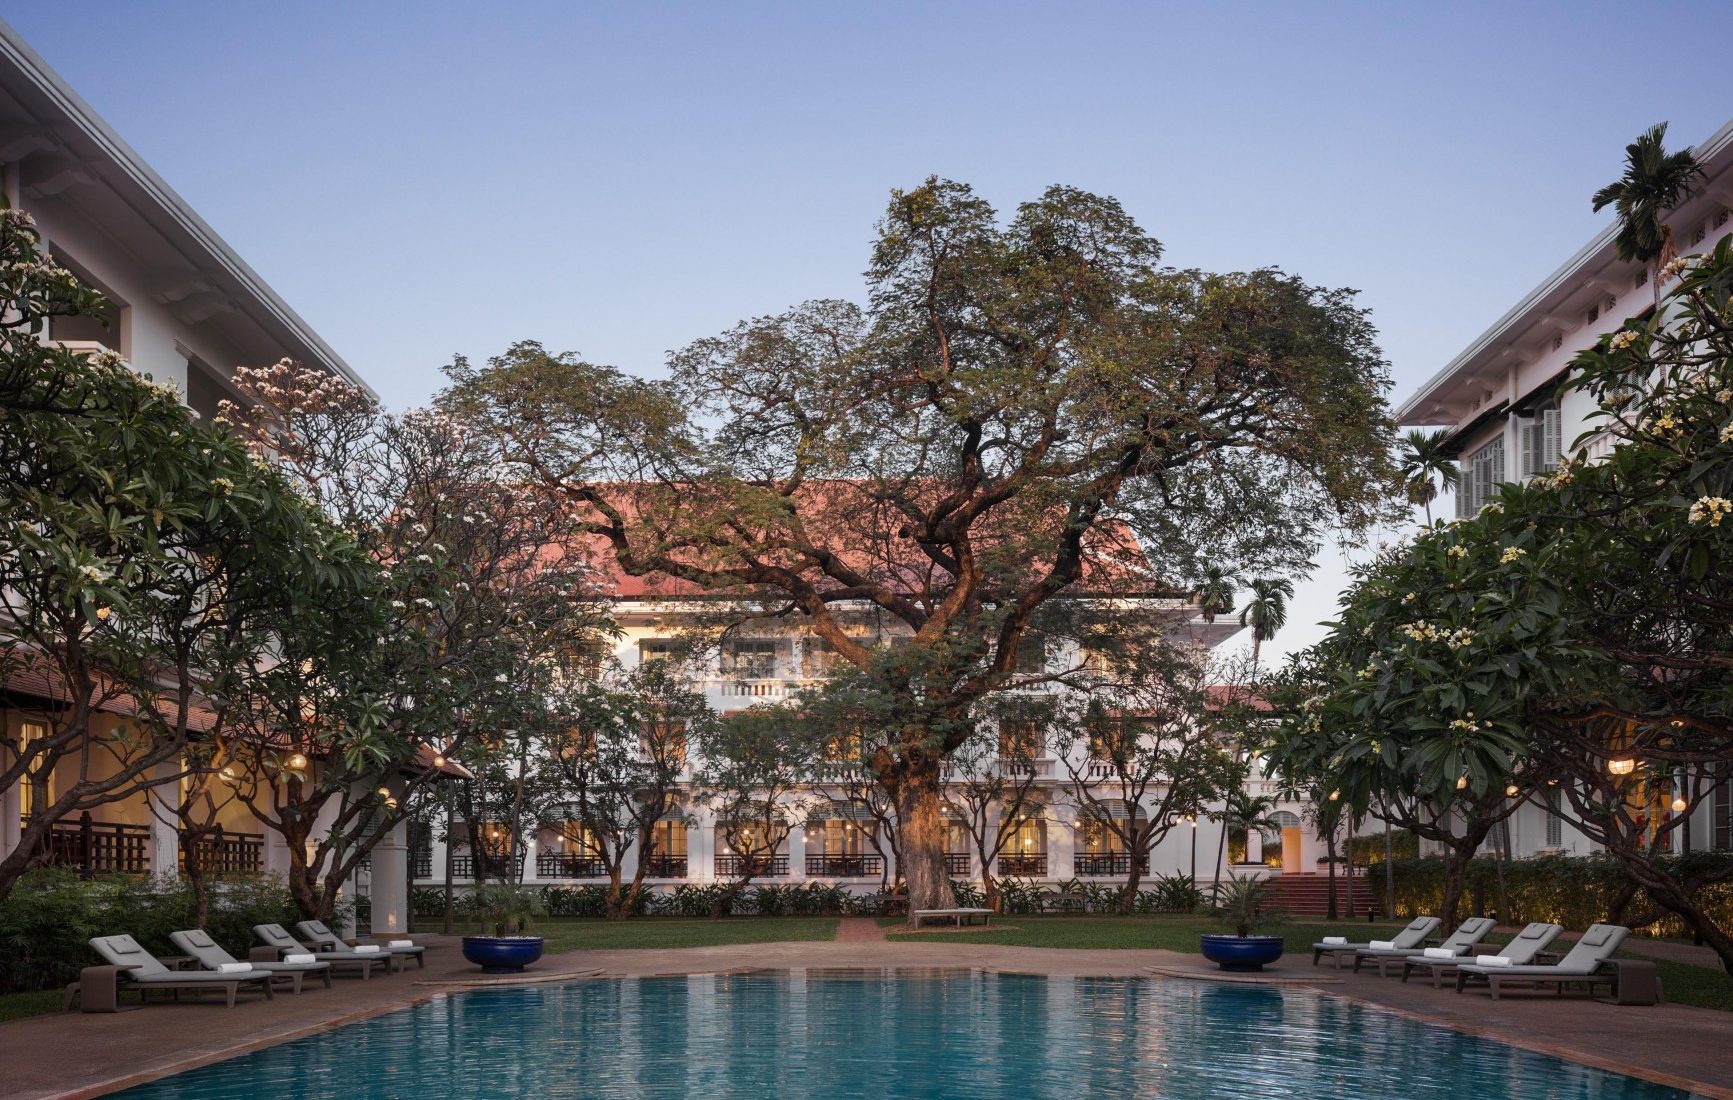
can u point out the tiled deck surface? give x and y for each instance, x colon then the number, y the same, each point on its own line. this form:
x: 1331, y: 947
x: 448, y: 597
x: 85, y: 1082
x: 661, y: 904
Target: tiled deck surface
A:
x: 77, y: 1055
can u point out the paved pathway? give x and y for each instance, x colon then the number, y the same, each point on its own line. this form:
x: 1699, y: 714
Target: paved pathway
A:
x: 859, y: 930
x: 76, y: 1055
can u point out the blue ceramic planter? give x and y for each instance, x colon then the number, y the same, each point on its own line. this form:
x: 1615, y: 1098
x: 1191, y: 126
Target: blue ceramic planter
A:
x: 502, y: 954
x: 1242, y: 953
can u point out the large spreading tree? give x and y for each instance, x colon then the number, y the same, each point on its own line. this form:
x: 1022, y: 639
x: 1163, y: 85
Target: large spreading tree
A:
x: 1023, y: 412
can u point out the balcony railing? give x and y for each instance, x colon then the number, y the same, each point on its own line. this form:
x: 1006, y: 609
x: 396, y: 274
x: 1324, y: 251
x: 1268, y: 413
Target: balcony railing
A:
x: 1023, y: 865
x: 463, y: 865
x: 1106, y: 863
x: 569, y: 865
x: 100, y: 847
x: 225, y: 853
x: 957, y: 863
x: 1040, y: 769
x: 845, y: 866
x: 666, y: 867
x: 762, y: 866
x: 421, y: 863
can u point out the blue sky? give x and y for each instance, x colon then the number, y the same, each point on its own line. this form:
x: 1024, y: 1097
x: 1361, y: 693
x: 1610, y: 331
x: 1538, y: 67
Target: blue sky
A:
x: 426, y: 180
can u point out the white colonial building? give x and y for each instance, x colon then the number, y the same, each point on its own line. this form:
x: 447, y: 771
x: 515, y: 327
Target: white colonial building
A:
x: 830, y: 841
x: 1511, y: 415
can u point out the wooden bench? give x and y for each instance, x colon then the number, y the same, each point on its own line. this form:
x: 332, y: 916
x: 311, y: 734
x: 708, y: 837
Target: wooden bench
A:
x: 962, y: 916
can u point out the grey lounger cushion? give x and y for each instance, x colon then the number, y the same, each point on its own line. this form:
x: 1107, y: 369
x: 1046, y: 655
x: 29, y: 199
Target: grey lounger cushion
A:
x: 315, y: 931
x: 1584, y: 958
x: 1412, y: 936
x: 1467, y: 934
x: 126, y: 951
x: 210, y: 954
x: 1521, y: 950
x: 275, y: 935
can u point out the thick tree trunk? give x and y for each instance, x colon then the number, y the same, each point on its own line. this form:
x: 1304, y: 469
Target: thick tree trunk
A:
x: 1128, y: 892
x: 921, y: 821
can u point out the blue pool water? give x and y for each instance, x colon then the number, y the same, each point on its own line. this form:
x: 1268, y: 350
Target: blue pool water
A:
x: 838, y: 1035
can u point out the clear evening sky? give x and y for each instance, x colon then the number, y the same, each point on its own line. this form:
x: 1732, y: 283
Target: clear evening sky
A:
x: 421, y: 180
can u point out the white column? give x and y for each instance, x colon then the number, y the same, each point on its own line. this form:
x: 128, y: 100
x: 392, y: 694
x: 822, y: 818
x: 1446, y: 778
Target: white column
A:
x: 388, y: 886
x: 163, y: 799
x: 1254, y: 846
x: 701, y: 849
x: 1061, y: 843
x: 797, y: 853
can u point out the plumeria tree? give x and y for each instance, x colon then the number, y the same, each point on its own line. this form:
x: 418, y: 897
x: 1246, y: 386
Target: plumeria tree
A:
x: 481, y: 586
x: 1573, y: 637
x: 1146, y: 741
x: 616, y: 760
x: 146, y: 562
x: 757, y: 778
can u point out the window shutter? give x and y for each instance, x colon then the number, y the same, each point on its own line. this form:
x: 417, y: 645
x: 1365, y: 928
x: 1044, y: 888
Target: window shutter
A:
x: 1552, y: 447
x: 1530, y: 458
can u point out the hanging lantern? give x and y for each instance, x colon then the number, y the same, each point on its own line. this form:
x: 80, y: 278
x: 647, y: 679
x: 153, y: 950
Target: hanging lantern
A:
x: 1511, y: 790
x: 1462, y: 782
x: 1679, y: 804
x: 1335, y: 796
x: 1622, y: 765
x: 297, y: 762
x: 229, y: 773
x: 438, y: 760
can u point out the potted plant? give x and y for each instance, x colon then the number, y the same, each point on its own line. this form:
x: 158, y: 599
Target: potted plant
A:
x: 509, y: 910
x: 1244, y: 903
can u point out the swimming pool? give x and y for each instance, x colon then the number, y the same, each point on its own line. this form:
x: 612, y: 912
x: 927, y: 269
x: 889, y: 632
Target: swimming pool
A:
x: 839, y: 1035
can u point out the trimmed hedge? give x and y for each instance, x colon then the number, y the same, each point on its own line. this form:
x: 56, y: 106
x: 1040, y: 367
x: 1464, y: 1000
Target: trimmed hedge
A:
x: 1574, y: 891
x: 47, y: 921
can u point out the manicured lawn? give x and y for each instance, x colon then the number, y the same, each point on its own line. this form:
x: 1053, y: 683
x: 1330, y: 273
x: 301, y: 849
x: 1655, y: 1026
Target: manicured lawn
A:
x: 16, y: 1006
x: 572, y: 933
x: 1171, y: 933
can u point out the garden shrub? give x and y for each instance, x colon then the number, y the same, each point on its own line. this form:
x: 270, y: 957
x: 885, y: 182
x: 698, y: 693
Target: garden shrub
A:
x: 50, y: 916
x: 1575, y: 891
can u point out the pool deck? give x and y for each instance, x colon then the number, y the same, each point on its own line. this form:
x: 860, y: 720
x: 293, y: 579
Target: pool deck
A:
x: 79, y: 1055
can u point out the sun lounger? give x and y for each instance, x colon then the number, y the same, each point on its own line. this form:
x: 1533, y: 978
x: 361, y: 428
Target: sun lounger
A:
x: 146, y: 972
x: 321, y: 937
x: 1458, y: 943
x: 1582, y: 964
x: 276, y: 936
x: 210, y: 955
x: 963, y: 915
x: 1412, y: 936
x: 1531, y: 941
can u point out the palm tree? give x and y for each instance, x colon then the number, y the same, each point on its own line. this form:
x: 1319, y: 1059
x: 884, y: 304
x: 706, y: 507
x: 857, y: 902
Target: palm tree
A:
x: 1266, y: 612
x: 1215, y: 594
x: 1655, y: 181
x: 1243, y: 812
x: 1427, y: 465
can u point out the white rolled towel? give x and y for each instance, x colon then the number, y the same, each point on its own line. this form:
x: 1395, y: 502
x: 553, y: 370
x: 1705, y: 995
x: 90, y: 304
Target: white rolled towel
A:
x: 401, y: 943
x: 1383, y: 945
x: 1336, y: 941
x: 234, y: 968
x: 1494, y: 960
x: 299, y: 957
x: 1440, y: 953
x: 366, y: 949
